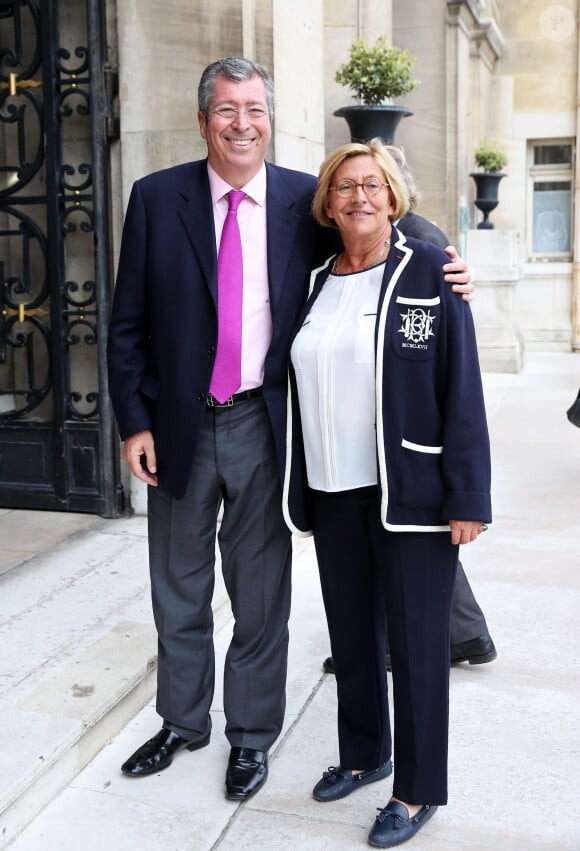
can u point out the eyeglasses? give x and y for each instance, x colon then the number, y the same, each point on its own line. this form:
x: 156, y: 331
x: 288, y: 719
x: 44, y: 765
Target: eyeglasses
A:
x: 371, y: 186
x: 254, y: 113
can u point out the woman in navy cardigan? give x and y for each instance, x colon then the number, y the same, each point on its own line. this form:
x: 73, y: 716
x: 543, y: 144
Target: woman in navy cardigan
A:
x: 388, y: 466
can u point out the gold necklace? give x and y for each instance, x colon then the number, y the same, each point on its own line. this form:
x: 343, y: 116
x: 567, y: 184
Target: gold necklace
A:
x: 336, y: 265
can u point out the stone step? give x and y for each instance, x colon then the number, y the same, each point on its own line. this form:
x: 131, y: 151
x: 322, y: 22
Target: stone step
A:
x: 77, y: 659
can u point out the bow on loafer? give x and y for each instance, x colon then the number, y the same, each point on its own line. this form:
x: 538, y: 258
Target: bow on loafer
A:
x: 246, y: 773
x: 157, y: 753
x: 339, y: 782
x: 393, y: 825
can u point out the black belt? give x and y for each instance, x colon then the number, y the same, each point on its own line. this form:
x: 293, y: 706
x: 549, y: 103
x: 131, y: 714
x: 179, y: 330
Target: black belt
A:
x: 237, y: 397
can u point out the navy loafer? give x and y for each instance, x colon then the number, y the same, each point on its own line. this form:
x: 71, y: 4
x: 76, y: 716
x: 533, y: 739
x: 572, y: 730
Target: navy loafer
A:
x: 393, y: 825
x: 339, y: 782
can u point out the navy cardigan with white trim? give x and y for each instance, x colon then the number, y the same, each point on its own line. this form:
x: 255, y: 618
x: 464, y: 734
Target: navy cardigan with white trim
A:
x: 433, y: 455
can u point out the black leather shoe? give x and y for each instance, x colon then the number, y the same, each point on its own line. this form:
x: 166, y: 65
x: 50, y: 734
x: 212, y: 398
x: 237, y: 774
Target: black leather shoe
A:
x: 393, y: 825
x: 328, y: 664
x: 247, y: 771
x: 477, y: 651
x: 157, y: 753
x: 339, y: 782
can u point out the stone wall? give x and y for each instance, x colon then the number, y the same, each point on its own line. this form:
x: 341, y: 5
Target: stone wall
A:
x: 491, y: 69
x: 299, y: 84
x: 494, y: 70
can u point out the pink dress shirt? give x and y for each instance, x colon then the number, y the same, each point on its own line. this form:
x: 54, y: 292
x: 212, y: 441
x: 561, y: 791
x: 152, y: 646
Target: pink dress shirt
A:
x: 256, y: 314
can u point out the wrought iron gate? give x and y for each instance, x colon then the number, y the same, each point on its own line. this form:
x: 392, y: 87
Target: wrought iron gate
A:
x: 57, y: 440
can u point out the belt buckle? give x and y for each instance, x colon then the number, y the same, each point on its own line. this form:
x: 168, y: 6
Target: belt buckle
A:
x: 212, y: 402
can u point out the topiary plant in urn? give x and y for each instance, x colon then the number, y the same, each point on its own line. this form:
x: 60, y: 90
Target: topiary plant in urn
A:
x: 377, y: 74
x: 490, y: 158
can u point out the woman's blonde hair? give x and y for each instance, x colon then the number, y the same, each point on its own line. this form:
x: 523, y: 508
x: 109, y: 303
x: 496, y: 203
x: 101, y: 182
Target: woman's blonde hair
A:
x: 374, y: 148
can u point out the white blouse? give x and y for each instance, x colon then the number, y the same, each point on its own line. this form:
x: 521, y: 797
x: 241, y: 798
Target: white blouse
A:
x: 334, y: 359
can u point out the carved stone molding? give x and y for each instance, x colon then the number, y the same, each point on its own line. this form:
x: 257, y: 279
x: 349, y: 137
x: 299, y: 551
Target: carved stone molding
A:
x: 477, y: 20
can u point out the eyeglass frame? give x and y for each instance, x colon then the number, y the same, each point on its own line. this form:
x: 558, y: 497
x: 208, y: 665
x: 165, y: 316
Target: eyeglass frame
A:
x: 355, y: 186
x: 236, y: 111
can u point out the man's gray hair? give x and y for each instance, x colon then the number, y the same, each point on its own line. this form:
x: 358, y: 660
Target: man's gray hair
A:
x: 234, y: 68
x: 399, y: 157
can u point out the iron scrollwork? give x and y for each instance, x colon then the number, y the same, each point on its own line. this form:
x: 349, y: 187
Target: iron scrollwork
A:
x: 20, y: 105
x: 77, y: 214
x: 24, y: 331
x: 56, y: 118
x: 21, y: 113
x: 24, y: 292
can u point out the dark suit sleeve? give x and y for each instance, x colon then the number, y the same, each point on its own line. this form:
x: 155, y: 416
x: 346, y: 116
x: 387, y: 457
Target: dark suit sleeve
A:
x: 129, y: 330
x: 412, y: 224
x: 466, y: 460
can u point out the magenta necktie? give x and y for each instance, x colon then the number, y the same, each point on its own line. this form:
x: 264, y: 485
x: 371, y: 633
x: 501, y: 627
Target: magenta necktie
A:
x: 227, y: 370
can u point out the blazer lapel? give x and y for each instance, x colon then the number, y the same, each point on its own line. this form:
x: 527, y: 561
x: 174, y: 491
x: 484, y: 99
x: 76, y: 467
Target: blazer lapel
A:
x: 317, y: 279
x: 282, y: 225
x: 194, y: 208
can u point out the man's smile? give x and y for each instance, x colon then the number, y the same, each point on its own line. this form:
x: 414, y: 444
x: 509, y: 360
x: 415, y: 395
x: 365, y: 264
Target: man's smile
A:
x: 240, y: 143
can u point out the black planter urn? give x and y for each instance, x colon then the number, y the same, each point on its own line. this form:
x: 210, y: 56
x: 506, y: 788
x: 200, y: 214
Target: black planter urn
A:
x: 369, y: 121
x: 486, y: 200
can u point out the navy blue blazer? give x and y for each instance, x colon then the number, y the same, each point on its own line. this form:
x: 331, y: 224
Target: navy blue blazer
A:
x: 163, y: 329
x: 432, y: 444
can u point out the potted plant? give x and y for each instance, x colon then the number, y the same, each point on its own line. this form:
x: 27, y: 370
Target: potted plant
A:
x: 377, y: 74
x: 490, y: 158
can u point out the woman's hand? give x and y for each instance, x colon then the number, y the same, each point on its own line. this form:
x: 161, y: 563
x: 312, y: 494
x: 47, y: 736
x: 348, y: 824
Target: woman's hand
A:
x: 466, y: 531
x: 457, y: 274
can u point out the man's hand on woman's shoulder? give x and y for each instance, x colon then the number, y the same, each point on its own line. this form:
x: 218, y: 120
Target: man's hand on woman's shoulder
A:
x: 458, y: 274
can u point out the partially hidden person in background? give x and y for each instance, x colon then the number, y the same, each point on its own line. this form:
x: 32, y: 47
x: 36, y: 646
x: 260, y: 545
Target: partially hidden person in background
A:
x: 573, y: 412
x: 388, y: 465
x: 469, y: 633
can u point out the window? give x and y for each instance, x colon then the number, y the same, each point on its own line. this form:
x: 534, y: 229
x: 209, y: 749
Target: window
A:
x: 551, y: 200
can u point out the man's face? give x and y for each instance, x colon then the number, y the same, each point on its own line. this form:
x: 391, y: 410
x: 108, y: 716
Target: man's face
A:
x: 237, y: 146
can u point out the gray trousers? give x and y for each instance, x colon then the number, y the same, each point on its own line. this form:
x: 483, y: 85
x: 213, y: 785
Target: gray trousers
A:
x: 235, y: 465
x: 467, y: 619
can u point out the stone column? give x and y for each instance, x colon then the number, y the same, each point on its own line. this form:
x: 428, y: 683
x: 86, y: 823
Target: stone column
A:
x: 493, y: 256
x: 299, y: 84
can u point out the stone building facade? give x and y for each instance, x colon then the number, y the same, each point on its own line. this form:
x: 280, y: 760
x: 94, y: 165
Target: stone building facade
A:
x: 77, y: 128
x: 489, y: 69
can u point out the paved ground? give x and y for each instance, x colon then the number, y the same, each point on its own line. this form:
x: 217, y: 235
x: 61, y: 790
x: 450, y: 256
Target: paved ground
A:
x: 77, y: 656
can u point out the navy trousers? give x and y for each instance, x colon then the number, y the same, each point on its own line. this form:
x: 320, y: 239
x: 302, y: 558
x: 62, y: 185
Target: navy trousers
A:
x: 366, y: 571
x: 467, y: 619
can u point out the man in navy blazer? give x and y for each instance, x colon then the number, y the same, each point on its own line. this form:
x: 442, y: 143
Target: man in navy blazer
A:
x: 197, y: 453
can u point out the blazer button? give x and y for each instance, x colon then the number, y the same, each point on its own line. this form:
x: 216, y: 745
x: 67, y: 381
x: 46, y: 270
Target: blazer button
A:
x: 200, y: 397
x: 211, y: 350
